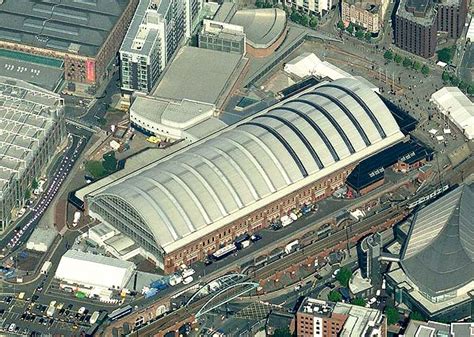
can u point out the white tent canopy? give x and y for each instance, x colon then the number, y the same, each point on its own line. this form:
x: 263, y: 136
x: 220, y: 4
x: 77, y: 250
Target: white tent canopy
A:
x: 94, y: 270
x: 457, y: 107
x: 308, y: 64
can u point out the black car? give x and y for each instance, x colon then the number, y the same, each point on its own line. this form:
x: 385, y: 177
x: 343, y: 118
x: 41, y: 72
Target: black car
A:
x: 208, y: 261
x: 256, y: 237
x: 70, y: 306
x: 34, y: 298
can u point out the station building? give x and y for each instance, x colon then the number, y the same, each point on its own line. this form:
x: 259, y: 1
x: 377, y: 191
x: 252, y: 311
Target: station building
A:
x: 83, y: 35
x: 32, y: 127
x: 242, y: 178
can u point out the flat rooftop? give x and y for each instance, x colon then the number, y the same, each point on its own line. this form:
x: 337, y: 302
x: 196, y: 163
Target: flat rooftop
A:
x: 425, y: 12
x: 63, y: 25
x: 41, y: 75
x: 198, y: 74
x: 27, y: 114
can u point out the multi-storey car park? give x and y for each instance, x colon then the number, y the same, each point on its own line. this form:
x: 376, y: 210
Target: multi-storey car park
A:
x: 239, y: 180
x: 32, y: 126
x: 85, y: 35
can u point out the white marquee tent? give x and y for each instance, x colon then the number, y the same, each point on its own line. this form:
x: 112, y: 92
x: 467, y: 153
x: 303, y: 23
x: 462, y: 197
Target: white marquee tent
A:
x: 94, y: 270
x: 457, y: 107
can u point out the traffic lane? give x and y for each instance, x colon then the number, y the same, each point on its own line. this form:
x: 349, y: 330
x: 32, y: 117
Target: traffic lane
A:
x: 37, y: 211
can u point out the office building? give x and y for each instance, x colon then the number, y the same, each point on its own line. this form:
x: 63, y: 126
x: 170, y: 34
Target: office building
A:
x: 32, y: 127
x: 367, y: 14
x: 222, y: 36
x: 317, y: 318
x: 368, y: 254
x: 437, y: 329
x: 418, y: 22
x: 314, y: 7
x: 436, y: 274
x: 157, y: 30
x: 83, y: 36
x: 185, y: 206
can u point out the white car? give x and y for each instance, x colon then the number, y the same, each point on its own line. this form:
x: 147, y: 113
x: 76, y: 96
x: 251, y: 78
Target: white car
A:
x: 188, y: 280
x: 188, y: 272
x: 81, y: 310
x: 12, y: 327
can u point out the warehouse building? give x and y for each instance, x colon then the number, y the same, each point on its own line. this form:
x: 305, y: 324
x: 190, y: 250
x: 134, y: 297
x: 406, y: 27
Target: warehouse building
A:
x: 436, y: 274
x: 32, y: 127
x: 242, y: 178
x: 83, y: 35
x: 93, y: 271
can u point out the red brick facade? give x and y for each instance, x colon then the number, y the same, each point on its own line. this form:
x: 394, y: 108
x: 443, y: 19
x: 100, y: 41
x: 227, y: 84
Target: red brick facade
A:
x: 254, y: 222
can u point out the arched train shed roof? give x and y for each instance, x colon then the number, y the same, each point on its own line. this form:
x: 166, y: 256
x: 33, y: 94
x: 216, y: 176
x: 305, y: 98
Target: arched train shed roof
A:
x: 221, y: 178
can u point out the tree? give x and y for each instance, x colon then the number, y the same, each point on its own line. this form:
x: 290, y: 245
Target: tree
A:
x: 425, y: 70
x: 462, y: 85
x: 470, y: 90
x: 110, y: 162
x: 295, y: 16
x: 304, y: 20
x: 398, y: 58
x: 350, y: 28
x: 282, y: 332
x: 340, y: 25
x: 359, y: 301
x: 27, y: 194
x: 454, y: 81
x: 407, y: 62
x: 343, y: 276
x: 313, y: 21
x: 359, y: 34
x: 416, y: 66
x: 34, y: 184
x: 388, y: 55
x: 446, y: 54
x: 415, y: 315
x: 368, y: 36
x: 392, y: 315
x: 445, y: 76
x: 260, y: 3
x: 334, y: 296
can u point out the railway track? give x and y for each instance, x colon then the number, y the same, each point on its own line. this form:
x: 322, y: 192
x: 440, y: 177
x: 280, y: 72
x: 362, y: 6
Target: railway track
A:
x: 319, y: 246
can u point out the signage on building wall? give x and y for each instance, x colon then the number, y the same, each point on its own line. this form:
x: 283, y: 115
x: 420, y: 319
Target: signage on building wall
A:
x: 90, y: 70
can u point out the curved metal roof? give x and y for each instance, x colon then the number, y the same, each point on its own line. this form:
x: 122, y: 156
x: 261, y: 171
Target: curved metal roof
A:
x: 300, y: 140
x: 439, y: 253
x: 262, y: 26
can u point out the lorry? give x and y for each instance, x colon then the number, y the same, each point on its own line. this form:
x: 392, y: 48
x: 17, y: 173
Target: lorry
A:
x: 291, y: 246
x: 51, y: 310
x: 46, y: 267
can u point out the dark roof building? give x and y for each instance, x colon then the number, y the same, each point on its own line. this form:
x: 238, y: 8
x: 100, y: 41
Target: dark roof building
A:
x: 437, y: 262
x: 418, y: 21
x: 87, y: 30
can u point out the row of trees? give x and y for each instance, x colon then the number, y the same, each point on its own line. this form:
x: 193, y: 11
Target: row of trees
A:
x: 454, y: 81
x: 303, y: 19
x: 406, y: 62
x: 355, y: 30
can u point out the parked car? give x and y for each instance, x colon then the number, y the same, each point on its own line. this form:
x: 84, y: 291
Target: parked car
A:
x: 188, y: 280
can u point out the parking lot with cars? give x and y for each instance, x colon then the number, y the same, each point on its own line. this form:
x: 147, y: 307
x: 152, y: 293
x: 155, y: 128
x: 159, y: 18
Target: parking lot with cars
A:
x: 25, y: 316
